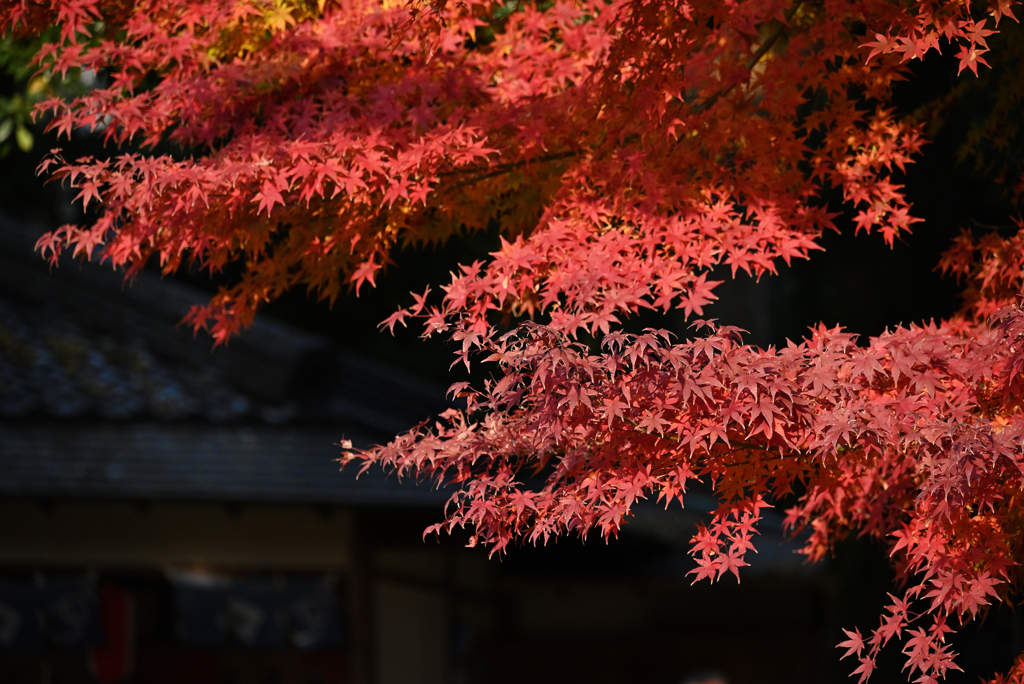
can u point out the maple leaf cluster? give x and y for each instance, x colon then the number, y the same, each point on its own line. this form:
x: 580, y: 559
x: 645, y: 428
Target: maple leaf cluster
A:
x: 624, y: 149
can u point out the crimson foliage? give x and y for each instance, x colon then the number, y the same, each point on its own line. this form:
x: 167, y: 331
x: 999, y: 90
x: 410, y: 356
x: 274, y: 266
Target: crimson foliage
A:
x: 624, y: 148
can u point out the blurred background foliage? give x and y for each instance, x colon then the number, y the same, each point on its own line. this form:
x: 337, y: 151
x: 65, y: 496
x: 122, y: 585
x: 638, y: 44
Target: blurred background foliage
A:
x: 23, y: 88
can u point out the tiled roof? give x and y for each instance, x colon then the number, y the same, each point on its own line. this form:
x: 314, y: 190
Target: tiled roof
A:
x: 75, y: 341
x: 237, y: 463
x: 50, y: 366
x: 103, y: 394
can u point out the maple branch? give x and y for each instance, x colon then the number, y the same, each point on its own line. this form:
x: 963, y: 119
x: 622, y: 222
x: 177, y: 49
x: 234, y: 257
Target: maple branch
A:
x: 758, y: 55
x: 752, y: 61
x: 502, y: 169
x: 509, y: 166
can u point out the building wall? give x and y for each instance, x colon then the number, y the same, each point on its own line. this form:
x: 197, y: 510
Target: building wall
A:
x: 121, y: 535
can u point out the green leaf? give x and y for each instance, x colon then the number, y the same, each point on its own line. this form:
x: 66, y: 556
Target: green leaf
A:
x: 24, y: 138
x: 6, y: 126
